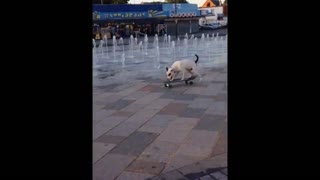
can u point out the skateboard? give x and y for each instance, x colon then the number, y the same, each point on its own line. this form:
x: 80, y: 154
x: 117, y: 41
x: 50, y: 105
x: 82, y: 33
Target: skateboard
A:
x: 187, y: 81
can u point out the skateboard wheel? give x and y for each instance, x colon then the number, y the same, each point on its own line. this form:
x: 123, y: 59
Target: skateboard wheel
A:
x: 186, y: 82
x: 167, y: 85
x: 190, y: 82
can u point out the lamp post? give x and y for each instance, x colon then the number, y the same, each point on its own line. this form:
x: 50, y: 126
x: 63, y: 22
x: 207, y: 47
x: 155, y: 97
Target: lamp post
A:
x: 176, y: 20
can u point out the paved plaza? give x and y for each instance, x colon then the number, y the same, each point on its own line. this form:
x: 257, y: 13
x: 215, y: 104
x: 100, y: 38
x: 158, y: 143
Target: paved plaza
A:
x: 143, y: 130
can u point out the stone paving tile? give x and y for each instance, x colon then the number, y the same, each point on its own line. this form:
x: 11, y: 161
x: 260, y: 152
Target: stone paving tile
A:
x: 211, y: 122
x: 209, y: 76
x: 196, y: 90
x: 173, y: 109
x: 199, y: 142
x: 107, y: 100
x: 143, y: 116
x: 224, y: 178
x: 133, y: 176
x: 107, y: 88
x: 172, y: 175
x: 202, y: 168
x: 99, y: 150
x: 123, y: 113
x: 178, y: 96
x: 151, y: 88
x: 124, y: 129
x: 102, y: 114
x: 157, y: 123
x: 94, y: 123
x: 183, y: 101
x: 159, y: 151
x: 159, y: 104
x: 178, y: 130
x: 135, y: 95
x: 148, y: 98
x: 225, y: 88
x: 122, y: 86
x: 221, y: 77
x: 207, y: 177
x: 201, y: 103
x: 105, y: 125
x: 135, y: 144
x: 225, y: 171
x: 217, y: 175
x: 102, y: 95
x: 182, y: 88
x: 179, y: 161
x: 132, y: 89
x: 133, y: 108
x: 215, y: 162
x: 145, y: 167
x: 221, y: 97
x: 150, y: 80
x: 159, y: 84
x: 221, y: 146
x: 217, y: 108
x: 213, y: 89
x: 193, y: 112
x: 217, y: 82
x: 96, y: 107
x: 192, y: 171
x: 110, y: 166
x: 106, y: 139
x: 120, y: 104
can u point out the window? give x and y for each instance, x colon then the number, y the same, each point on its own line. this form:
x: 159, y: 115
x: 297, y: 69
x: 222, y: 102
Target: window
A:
x: 208, y: 5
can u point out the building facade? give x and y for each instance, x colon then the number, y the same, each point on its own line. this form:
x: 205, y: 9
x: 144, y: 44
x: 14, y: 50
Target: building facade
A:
x: 134, y: 19
x: 211, y: 11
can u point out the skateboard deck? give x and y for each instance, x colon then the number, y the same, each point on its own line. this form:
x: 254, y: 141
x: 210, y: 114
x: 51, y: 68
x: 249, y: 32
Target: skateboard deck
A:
x: 187, y: 81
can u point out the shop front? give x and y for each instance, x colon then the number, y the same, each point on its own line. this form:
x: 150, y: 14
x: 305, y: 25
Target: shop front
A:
x: 126, y: 20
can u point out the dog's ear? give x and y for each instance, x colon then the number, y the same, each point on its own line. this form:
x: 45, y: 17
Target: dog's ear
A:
x: 167, y: 68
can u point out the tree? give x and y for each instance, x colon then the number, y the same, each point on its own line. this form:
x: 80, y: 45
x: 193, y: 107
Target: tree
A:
x: 110, y: 1
x: 177, y: 1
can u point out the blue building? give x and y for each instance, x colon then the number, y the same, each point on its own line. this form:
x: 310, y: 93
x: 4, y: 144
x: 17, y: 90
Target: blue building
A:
x: 124, y: 20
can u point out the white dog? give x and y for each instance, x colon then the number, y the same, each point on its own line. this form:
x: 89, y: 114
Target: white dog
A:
x: 183, y: 66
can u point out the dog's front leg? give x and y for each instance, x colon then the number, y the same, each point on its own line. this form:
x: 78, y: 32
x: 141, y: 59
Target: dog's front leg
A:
x: 183, y: 73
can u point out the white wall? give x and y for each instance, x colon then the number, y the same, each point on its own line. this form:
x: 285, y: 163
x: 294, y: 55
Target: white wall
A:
x: 210, y: 18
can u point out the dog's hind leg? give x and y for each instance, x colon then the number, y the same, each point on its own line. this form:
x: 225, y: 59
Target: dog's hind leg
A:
x: 197, y: 73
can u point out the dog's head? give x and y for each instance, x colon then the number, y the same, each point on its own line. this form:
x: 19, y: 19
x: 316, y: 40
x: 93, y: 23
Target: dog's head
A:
x: 171, y: 74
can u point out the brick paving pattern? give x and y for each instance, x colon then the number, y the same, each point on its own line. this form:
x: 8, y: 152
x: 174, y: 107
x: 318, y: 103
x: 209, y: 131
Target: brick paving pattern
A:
x: 146, y: 131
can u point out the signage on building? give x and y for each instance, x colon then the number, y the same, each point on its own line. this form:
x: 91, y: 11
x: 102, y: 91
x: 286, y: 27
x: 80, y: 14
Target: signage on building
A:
x: 176, y: 5
x: 125, y: 15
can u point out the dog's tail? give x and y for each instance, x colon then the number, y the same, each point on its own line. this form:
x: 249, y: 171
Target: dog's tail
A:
x: 197, y: 58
